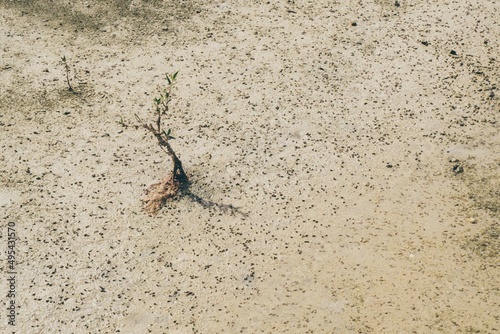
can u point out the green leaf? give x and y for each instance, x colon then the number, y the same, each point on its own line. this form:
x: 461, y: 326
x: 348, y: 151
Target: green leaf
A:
x: 168, y: 80
x: 175, y: 75
x: 167, y: 134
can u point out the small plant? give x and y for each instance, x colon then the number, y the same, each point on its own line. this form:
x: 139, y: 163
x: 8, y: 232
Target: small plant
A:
x: 122, y: 122
x: 66, y: 67
x: 176, y: 181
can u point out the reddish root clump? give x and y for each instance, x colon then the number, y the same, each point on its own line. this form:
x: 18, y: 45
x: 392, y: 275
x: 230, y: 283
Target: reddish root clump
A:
x: 158, y: 194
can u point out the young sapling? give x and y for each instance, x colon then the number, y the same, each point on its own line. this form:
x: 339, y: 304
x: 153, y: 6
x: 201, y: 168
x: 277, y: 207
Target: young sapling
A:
x: 176, y: 180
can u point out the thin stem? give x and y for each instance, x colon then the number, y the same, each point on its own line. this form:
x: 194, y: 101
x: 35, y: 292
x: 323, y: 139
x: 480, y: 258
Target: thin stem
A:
x: 67, y: 75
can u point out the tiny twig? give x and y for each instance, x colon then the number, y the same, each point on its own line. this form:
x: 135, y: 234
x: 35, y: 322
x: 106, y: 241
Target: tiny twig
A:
x: 66, y: 66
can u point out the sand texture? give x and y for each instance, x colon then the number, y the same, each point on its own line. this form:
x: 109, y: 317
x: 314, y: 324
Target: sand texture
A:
x: 344, y: 160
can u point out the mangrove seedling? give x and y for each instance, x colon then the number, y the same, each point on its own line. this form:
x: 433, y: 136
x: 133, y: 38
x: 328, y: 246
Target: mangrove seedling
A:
x: 176, y: 180
x: 66, y: 67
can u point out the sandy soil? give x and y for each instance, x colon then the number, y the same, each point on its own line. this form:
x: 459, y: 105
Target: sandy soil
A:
x: 360, y: 139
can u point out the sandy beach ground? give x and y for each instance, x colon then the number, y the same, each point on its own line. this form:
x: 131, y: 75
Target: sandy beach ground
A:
x: 359, y: 140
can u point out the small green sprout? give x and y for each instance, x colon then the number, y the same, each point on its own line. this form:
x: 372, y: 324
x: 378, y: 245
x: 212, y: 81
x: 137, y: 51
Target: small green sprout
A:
x: 122, y: 122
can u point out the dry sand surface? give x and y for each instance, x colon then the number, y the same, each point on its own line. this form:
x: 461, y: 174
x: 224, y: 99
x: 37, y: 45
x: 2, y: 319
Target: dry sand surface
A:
x: 359, y: 140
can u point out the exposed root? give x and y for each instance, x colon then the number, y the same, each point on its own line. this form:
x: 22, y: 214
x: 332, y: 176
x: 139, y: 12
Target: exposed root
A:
x: 158, y: 194
x: 169, y: 189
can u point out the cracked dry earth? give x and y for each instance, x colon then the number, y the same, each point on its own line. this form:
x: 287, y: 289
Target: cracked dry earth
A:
x: 360, y: 139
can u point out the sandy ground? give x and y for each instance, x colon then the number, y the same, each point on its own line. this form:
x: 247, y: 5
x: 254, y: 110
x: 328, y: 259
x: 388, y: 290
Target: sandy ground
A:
x: 360, y: 139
